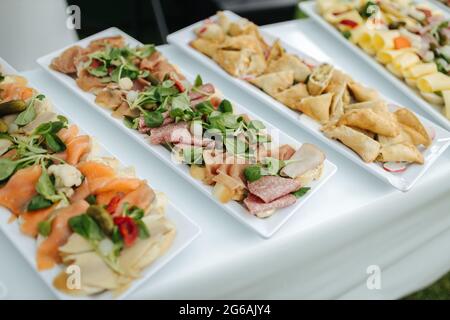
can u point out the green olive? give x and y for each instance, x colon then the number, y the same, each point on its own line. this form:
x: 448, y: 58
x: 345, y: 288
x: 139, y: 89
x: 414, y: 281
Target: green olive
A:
x: 12, y: 107
x: 3, y: 127
x: 153, y: 80
x: 102, y: 217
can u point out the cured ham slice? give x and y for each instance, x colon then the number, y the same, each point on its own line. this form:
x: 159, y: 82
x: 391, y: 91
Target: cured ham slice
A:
x: 255, y: 205
x: 66, y: 62
x: 169, y: 133
x: 269, y: 188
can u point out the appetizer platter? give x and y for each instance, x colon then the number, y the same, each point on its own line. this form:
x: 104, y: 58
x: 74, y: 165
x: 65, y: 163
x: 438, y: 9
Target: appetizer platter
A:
x: 70, y: 207
x: 409, y: 49
x: 255, y: 172
x: 318, y: 97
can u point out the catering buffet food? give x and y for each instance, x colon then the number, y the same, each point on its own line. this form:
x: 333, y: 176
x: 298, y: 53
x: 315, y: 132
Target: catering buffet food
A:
x: 410, y: 39
x: 82, y: 208
x: 226, y: 150
x: 349, y: 112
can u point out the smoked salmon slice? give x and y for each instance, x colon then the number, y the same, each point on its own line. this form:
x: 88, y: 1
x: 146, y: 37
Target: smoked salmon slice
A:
x: 81, y: 192
x: 47, y: 253
x: 124, y: 185
x: 105, y: 198
x: 14, y: 91
x: 31, y: 219
x: 97, y: 174
x: 141, y: 197
x: 20, y: 188
x: 67, y: 134
x: 76, y: 148
x: 93, y: 170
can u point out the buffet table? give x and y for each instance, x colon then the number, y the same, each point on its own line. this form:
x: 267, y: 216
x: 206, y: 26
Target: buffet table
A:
x: 324, y: 251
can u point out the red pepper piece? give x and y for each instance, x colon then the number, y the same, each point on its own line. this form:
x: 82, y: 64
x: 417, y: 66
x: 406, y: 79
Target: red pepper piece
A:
x: 215, y: 101
x: 127, y: 229
x: 113, y: 203
x: 179, y: 86
x: 95, y: 63
x: 350, y: 23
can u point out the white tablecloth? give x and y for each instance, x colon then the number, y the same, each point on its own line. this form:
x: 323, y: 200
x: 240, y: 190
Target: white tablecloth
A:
x: 324, y: 251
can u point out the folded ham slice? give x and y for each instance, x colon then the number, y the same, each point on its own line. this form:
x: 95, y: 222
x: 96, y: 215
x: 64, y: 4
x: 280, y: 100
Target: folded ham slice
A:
x: 269, y: 188
x: 255, y: 205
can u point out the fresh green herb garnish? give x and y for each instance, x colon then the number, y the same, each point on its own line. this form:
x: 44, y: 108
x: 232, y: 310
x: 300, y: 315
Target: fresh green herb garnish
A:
x: 143, y: 230
x: 198, y: 81
x: 347, y: 34
x: 45, y: 228
x: 257, y: 125
x: 38, y: 202
x: 54, y: 143
x: 301, y: 192
x: 252, y: 173
x: 130, y: 122
x: 91, y: 199
x: 369, y: 9
x: 204, y: 107
x: 45, y: 185
x: 86, y: 227
x: 7, y: 168
x: 153, y: 119
x: 225, y: 106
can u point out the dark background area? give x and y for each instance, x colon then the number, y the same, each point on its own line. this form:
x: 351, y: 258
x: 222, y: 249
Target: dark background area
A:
x: 151, y: 20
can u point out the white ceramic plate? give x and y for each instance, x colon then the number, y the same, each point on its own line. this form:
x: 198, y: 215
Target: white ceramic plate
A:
x: 264, y: 227
x: 440, y: 5
x: 309, y: 7
x: 403, y: 181
x: 187, y: 231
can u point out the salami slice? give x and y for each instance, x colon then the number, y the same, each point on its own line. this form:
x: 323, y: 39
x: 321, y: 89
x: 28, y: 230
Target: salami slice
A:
x: 269, y: 188
x: 255, y: 205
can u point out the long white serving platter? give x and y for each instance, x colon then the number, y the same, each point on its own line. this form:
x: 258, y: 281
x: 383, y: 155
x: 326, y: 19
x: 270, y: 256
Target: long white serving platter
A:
x: 403, y: 181
x: 187, y: 231
x: 440, y: 5
x: 309, y: 7
x: 264, y: 227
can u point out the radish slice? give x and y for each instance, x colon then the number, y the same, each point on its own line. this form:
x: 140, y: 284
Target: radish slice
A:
x: 431, y: 132
x: 395, y: 167
x: 248, y: 77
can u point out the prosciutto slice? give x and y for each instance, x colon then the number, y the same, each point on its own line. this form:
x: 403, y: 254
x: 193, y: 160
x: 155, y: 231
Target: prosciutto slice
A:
x: 269, y: 188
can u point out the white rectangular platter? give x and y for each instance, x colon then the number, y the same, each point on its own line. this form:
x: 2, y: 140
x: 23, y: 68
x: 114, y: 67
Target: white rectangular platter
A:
x: 264, y: 227
x: 440, y: 5
x: 187, y: 231
x: 436, y: 112
x: 403, y: 181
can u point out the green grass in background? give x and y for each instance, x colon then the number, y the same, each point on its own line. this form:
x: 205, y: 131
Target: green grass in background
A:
x: 440, y: 290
